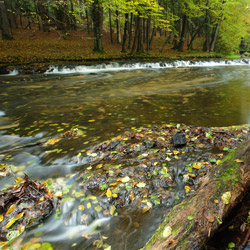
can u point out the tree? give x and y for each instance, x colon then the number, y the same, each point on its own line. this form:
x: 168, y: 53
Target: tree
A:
x: 97, y: 17
x: 5, y: 24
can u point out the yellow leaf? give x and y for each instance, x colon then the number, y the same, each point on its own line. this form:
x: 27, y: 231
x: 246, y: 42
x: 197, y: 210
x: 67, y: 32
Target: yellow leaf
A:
x: 238, y: 161
x: 58, y: 194
x: 132, y: 196
x: 226, y: 197
x: 91, y: 120
x: 155, y: 163
x: 1, y: 217
x: 21, y: 228
x: 167, y: 232
x: 115, y: 195
x: 36, y: 246
x: 91, y: 197
x: 176, y: 152
x: 81, y: 207
x: 89, y: 205
x: 11, y: 209
x: 11, y: 222
x: 145, y: 209
x: 18, y: 179
x: 197, y: 165
x: 187, y: 188
x: 20, y: 215
x: 191, y: 175
x: 108, y: 193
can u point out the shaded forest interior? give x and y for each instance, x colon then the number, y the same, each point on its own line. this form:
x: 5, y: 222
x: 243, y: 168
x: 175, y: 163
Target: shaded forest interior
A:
x: 153, y: 28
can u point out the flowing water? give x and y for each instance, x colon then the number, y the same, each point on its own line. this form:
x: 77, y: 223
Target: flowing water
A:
x: 104, y: 101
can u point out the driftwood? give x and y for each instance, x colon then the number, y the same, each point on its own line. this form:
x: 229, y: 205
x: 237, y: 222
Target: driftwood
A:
x: 190, y: 224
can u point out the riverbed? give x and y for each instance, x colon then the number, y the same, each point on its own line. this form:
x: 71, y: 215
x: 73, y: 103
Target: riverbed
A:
x: 105, y: 101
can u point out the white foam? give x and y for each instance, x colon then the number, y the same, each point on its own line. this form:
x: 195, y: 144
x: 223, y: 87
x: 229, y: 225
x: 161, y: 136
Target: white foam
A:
x: 13, y: 72
x: 2, y: 113
x: 110, y: 67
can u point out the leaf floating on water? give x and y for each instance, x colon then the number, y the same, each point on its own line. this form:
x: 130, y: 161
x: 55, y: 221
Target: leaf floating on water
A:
x: 112, y: 209
x: 167, y: 232
x: 91, y: 120
x: 141, y: 184
x: 226, y: 197
x: 81, y: 207
x: 108, y: 193
x: 88, y: 205
x: 125, y: 179
x: 11, y: 209
x: 197, y: 165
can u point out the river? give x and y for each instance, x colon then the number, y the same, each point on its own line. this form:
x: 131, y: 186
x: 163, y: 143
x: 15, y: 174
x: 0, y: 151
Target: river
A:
x: 104, y: 101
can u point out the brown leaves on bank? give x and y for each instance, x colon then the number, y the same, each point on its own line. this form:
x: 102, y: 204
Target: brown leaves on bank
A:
x: 23, y: 206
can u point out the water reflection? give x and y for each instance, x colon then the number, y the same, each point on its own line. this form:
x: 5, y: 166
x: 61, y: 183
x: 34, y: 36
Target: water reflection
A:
x: 102, y: 106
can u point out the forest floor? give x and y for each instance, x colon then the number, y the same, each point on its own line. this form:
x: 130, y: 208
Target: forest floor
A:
x: 34, y: 46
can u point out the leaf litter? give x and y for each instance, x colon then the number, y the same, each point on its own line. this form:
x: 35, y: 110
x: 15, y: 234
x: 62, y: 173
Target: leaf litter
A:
x: 139, y: 170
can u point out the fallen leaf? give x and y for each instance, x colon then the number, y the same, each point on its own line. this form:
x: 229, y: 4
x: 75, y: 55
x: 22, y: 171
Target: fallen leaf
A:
x: 226, y: 197
x: 167, y: 231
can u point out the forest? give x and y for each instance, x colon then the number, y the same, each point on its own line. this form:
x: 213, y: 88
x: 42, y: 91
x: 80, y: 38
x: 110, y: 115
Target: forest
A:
x: 156, y: 28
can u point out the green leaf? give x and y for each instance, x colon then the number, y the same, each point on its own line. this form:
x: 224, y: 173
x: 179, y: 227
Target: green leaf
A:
x: 190, y: 217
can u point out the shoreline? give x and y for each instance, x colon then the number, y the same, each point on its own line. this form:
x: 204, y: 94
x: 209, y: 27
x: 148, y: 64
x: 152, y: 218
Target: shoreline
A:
x: 41, y: 66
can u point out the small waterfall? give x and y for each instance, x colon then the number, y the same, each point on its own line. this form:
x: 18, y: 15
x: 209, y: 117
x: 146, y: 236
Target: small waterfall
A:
x: 111, y: 67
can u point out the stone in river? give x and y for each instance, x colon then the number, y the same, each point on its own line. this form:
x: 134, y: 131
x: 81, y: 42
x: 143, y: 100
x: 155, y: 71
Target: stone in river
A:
x: 179, y: 139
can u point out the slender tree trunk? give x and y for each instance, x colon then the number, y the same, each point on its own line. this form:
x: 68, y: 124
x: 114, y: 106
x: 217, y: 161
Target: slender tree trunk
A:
x: 135, y: 36
x: 130, y: 30
x: 110, y: 27
x: 207, y: 30
x: 140, y: 35
x: 88, y: 21
x: 144, y: 30
x: 125, y: 33
x: 97, y: 17
x: 148, y: 33
x: 190, y: 44
x: 43, y: 12
x: 215, y: 37
x: 5, y: 25
x: 118, y: 28
x: 72, y: 17
x: 152, y: 38
x: 183, y: 34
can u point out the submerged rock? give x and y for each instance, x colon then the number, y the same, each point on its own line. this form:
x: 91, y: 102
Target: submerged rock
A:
x: 179, y: 140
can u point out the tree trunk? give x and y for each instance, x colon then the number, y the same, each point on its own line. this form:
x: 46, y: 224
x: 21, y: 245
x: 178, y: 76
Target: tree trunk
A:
x: 189, y: 224
x: 130, y: 30
x: 215, y: 37
x: 97, y: 17
x: 72, y: 17
x: 5, y: 25
x: 135, y: 36
x: 43, y: 12
x: 10, y: 14
x: 206, y: 43
x: 110, y: 27
x: 125, y: 33
x: 140, y: 35
x: 152, y: 38
x: 148, y: 32
x: 183, y: 34
x: 118, y: 28
x: 88, y: 21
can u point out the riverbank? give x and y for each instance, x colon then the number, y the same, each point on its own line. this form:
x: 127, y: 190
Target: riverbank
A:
x: 35, y: 50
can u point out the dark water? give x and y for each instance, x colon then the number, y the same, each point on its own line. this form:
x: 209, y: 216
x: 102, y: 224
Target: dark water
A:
x: 103, y: 105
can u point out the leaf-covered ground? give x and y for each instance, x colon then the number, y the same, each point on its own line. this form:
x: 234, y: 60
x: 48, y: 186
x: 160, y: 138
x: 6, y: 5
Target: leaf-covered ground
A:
x: 33, y: 46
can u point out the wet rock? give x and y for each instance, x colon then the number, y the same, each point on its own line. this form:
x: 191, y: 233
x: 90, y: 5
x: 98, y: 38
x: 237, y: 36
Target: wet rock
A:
x: 150, y: 144
x: 179, y: 140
